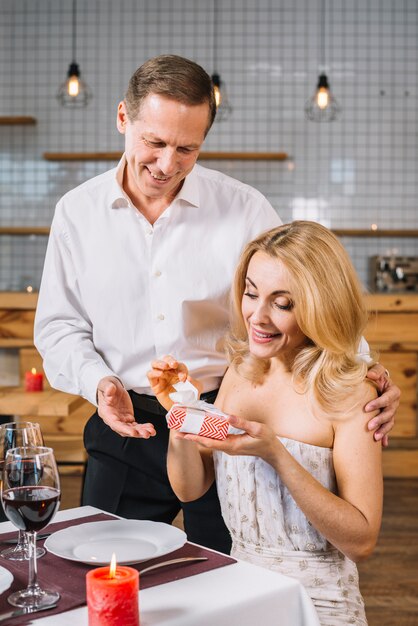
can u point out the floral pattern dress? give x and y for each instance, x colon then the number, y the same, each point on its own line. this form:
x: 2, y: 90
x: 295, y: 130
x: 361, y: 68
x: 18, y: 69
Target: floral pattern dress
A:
x: 269, y: 529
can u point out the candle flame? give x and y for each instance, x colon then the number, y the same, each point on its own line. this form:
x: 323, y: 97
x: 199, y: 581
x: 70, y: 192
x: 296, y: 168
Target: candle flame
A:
x: 112, y: 566
x: 33, y: 370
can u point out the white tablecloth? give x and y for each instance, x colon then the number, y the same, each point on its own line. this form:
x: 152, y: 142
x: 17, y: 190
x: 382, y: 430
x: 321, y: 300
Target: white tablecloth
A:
x: 235, y: 595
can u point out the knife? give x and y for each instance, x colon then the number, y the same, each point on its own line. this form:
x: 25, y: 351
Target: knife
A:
x: 25, y: 611
x: 184, y: 559
x: 14, y: 540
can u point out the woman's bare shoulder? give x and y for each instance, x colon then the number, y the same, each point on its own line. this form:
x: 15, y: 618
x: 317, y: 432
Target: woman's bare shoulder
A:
x: 352, y: 406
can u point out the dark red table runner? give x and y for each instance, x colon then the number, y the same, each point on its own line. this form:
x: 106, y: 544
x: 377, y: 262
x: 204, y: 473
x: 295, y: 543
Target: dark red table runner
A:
x: 68, y: 577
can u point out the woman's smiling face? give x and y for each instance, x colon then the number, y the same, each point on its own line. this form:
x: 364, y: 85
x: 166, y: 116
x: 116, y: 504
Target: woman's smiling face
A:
x: 268, y: 309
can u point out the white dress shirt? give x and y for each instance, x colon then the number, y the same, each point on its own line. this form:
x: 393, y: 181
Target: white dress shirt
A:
x: 116, y: 292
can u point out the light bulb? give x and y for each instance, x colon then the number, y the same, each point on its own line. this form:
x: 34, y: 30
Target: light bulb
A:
x: 223, y: 108
x: 322, y: 97
x: 73, y: 86
x: 218, y: 96
x: 322, y: 107
x: 74, y: 92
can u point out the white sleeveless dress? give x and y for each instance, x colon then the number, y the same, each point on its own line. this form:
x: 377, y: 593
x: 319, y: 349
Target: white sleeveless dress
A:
x: 269, y: 529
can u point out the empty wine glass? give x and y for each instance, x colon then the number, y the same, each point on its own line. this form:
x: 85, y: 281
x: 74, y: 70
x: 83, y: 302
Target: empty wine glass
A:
x: 30, y: 496
x: 13, y: 435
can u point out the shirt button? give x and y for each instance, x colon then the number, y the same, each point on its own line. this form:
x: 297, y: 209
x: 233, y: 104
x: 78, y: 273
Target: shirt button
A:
x: 149, y: 231
x: 161, y: 316
x: 157, y: 273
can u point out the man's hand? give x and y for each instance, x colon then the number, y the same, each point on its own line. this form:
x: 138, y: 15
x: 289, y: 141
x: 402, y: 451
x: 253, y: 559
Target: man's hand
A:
x: 387, y: 402
x: 116, y: 410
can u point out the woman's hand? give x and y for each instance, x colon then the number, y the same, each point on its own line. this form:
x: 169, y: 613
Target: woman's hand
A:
x: 258, y: 440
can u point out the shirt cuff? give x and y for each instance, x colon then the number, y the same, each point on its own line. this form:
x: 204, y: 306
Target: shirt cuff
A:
x: 90, y: 377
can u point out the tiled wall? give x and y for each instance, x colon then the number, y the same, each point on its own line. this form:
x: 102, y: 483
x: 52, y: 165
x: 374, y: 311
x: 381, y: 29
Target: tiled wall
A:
x: 359, y: 170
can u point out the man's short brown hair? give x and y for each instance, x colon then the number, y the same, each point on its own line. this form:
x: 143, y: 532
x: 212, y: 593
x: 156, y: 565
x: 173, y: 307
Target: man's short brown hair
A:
x: 174, y: 77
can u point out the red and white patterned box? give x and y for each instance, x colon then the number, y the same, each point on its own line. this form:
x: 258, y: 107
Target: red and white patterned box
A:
x: 205, y: 422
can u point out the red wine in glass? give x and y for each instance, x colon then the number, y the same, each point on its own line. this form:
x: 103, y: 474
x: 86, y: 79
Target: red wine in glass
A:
x: 31, y: 508
x: 13, y: 435
x: 30, y: 497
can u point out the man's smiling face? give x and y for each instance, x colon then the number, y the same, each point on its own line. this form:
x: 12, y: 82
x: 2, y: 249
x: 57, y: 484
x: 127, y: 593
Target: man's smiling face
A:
x: 161, y: 146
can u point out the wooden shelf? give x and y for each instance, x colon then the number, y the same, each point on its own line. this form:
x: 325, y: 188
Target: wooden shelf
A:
x: 341, y: 232
x: 16, y: 343
x: 243, y: 156
x: 24, y: 230
x: 368, y: 232
x: 17, y: 120
x: 204, y: 156
x: 17, y: 300
x: 82, y: 156
x: 17, y: 401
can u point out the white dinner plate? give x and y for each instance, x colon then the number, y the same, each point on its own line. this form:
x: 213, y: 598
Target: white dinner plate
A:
x: 6, y: 579
x: 132, y: 541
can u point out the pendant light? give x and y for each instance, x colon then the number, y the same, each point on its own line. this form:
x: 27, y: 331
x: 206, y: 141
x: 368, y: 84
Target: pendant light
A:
x: 74, y: 92
x: 223, y: 107
x: 322, y: 107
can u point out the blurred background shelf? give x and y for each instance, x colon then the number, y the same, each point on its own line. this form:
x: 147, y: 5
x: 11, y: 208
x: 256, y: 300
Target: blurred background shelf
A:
x: 341, y: 232
x: 368, y: 232
x: 17, y: 120
x: 24, y: 230
x: 204, y: 156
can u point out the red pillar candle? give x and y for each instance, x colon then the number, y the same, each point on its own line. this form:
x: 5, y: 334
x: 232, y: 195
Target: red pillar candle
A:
x: 34, y: 381
x: 112, y: 596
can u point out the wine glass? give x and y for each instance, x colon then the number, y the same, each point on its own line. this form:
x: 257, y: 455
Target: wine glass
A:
x: 30, y: 496
x: 13, y: 435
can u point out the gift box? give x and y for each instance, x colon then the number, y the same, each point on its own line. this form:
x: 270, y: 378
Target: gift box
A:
x: 198, y: 422
x: 198, y: 417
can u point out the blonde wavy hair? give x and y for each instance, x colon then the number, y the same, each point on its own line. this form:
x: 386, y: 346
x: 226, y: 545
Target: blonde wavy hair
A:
x: 328, y: 306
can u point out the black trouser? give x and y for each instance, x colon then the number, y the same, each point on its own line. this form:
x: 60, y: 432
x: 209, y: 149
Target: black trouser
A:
x: 128, y: 477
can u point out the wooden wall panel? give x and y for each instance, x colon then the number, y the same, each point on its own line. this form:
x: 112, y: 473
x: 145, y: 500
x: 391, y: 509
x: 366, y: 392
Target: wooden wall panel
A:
x: 16, y: 328
x: 402, y: 367
x: 400, y: 463
x: 393, y: 330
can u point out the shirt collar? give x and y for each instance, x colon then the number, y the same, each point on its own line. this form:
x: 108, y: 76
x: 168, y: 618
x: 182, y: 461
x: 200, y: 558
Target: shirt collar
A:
x: 120, y: 199
x: 190, y: 189
x: 188, y: 193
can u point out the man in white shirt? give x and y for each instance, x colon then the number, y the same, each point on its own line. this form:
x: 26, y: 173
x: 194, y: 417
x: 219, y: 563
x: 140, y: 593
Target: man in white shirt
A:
x: 139, y: 264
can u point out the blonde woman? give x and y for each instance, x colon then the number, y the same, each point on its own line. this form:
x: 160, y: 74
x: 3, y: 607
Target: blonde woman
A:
x: 301, y: 489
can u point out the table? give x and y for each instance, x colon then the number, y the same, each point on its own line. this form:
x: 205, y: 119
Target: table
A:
x: 240, y: 595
